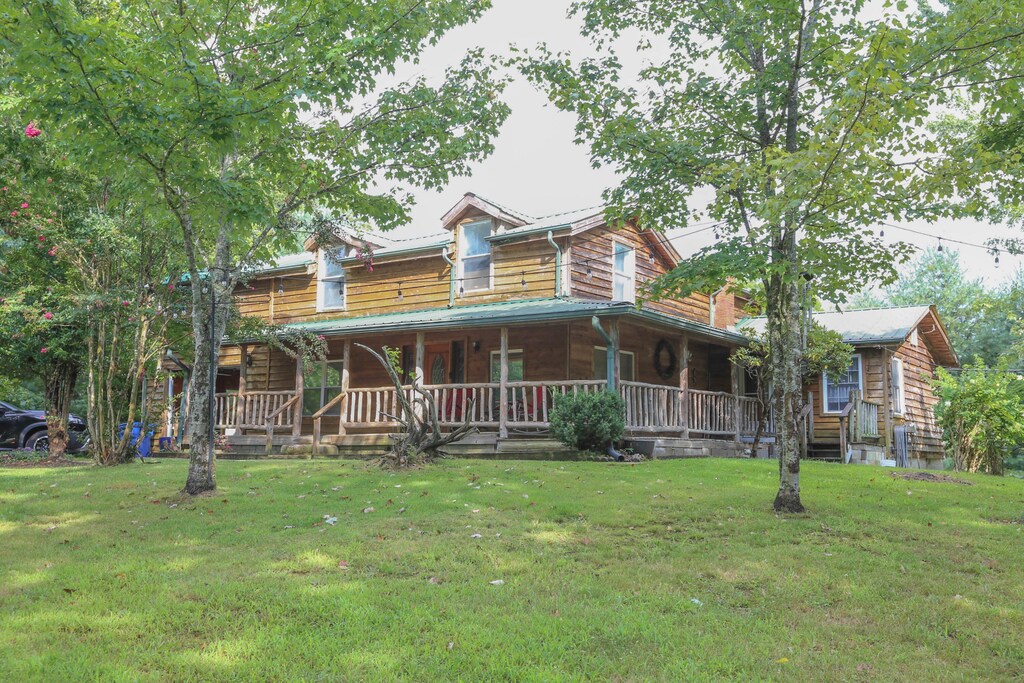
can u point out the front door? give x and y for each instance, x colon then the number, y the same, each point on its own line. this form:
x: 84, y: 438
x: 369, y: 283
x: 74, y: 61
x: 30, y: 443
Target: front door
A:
x: 438, y: 362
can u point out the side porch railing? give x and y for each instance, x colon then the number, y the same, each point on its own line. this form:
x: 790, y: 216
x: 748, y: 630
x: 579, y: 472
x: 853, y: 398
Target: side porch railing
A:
x: 252, y: 410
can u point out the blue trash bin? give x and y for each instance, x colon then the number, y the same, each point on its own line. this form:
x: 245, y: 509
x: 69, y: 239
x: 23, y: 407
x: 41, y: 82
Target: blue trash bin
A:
x: 143, y: 444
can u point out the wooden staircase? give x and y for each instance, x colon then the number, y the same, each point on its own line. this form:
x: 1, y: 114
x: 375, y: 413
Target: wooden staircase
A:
x: 823, y: 451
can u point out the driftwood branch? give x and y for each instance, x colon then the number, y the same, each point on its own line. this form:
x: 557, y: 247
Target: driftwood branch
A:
x: 420, y: 437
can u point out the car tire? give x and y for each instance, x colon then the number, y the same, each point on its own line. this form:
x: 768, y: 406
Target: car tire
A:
x: 39, y: 441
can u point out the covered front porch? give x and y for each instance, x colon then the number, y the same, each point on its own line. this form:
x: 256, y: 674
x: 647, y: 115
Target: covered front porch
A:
x: 501, y: 370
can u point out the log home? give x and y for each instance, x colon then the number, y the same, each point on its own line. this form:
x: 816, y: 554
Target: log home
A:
x: 496, y: 317
x: 883, y: 410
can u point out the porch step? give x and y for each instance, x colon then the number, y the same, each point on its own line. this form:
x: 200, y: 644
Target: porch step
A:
x: 473, y: 445
x: 534, y: 447
x: 824, y: 452
x: 675, y: 447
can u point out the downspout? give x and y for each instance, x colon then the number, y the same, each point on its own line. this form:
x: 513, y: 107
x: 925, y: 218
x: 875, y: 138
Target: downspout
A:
x: 610, y: 359
x: 451, y: 283
x: 558, y: 264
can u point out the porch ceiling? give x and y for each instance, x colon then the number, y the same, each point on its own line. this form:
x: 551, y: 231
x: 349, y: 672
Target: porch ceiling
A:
x: 523, y: 311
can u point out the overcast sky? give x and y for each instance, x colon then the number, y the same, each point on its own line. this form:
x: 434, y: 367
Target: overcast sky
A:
x: 537, y: 169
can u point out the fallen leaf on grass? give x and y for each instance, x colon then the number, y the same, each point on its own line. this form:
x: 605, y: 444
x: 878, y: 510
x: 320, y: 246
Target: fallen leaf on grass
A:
x: 367, y: 510
x: 69, y: 591
x: 499, y: 582
x: 434, y: 580
x: 782, y: 660
x: 477, y: 536
x: 342, y: 564
x: 329, y: 519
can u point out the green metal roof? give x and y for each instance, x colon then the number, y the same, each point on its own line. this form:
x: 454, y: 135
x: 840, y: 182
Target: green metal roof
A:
x: 523, y: 311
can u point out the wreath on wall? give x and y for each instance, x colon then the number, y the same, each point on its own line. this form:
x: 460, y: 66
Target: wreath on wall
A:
x: 664, y: 359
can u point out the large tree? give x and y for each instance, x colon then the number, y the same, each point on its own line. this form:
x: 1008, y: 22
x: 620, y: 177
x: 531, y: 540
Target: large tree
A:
x: 805, y: 121
x: 240, y: 114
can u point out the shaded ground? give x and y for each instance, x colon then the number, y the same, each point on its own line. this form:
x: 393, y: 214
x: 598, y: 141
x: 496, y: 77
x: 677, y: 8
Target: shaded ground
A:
x: 669, y: 571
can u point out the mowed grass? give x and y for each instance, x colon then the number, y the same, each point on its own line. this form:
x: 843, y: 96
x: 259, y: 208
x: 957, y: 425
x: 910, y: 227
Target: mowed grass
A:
x: 672, y: 570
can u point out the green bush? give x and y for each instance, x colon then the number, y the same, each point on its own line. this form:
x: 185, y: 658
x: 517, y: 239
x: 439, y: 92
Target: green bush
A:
x: 588, y: 421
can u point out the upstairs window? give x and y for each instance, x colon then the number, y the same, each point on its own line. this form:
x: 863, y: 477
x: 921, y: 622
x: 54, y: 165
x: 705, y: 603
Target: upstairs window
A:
x: 835, y: 395
x: 330, y: 280
x: 623, y: 272
x: 475, y: 256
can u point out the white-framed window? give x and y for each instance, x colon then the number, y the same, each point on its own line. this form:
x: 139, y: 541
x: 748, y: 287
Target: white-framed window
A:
x: 623, y: 272
x: 627, y: 364
x: 899, y: 390
x: 330, y: 279
x: 475, y: 256
x: 321, y: 383
x: 835, y: 395
x: 516, y: 366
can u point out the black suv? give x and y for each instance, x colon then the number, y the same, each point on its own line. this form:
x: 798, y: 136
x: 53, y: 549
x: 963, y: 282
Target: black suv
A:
x: 27, y: 429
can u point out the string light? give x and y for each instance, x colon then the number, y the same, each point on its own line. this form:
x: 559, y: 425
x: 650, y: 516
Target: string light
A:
x: 400, y: 296
x: 523, y: 281
x: 941, y: 248
x: 590, y: 272
x: 280, y: 286
x: 997, y: 258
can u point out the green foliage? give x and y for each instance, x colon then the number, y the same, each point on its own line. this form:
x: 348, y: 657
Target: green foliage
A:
x: 981, y: 411
x: 826, y: 354
x: 588, y: 421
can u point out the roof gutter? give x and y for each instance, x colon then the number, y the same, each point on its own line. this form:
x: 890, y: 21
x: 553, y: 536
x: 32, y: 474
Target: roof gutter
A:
x: 508, y: 237
x: 610, y: 354
x: 451, y: 276
x: 558, y: 263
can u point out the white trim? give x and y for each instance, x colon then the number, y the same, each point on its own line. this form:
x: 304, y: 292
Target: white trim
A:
x: 632, y: 363
x: 824, y: 386
x: 899, y: 398
x: 459, y: 258
x: 497, y: 352
x: 630, y: 270
x: 321, y: 269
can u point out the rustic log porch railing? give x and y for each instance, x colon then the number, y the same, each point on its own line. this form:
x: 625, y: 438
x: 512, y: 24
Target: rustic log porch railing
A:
x: 650, y: 408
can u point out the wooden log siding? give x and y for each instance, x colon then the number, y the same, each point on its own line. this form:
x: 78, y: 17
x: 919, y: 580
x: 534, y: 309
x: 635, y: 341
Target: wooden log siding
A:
x: 593, y: 249
x: 920, y: 400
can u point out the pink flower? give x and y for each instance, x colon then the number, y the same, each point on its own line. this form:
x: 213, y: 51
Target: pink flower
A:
x: 48, y: 315
x: 170, y: 287
x: 42, y: 238
x: 43, y: 350
x: 49, y: 220
x: 126, y: 303
x: 49, y: 180
x: 24, y: 205
x: 52, y: 252
x: 5, y: 188
x: 32, y: 132
x: 14, y: 213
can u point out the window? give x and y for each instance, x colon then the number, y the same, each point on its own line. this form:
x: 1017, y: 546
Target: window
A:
x: 330, y: 280
x: 899, y: 398
x: 515, y: 366
x: 475, y: 256
x: 623, y: 272
x: 835, y: 395
x: 321, y: 383
x: 627, y: 364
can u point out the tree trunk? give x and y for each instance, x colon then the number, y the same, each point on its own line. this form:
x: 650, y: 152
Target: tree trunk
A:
x: 208, y: 313
x: 60, y: 378
x: 785, y: 357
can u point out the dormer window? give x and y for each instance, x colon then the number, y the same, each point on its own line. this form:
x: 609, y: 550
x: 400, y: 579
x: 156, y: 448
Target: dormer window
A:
x: 330, y: 279
x: 475, y: 256
x: 623, y: 272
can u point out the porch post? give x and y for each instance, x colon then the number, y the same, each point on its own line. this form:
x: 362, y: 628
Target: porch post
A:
x: 240, y: 410
x: 420, y: 373
x: 503, y: 386
x: 613, y: 349
x: 300, y: 387
x: 346, y: 357
x: 684, y: 384
x: 737, y: 409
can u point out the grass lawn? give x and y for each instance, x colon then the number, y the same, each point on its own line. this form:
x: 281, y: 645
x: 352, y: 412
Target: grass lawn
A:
x: 673, y: 570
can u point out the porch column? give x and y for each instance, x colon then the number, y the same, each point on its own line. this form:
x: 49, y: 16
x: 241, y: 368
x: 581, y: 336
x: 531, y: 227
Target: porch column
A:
x: 614, y: 349
x: 300, y: 387
x: 420, y: 372
x: 242, y: 378
x: 737, y: 409
x: 503, y: 386
x: 684, y: 384
x: 346, y: 358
